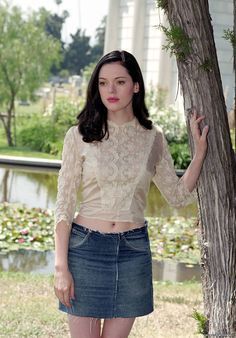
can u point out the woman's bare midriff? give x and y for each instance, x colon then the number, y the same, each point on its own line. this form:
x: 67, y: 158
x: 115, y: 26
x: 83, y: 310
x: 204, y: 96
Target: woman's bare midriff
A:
x: 105, y: 226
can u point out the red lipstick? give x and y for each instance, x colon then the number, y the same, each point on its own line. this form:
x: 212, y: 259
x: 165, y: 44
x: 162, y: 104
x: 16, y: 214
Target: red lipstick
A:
x: 112, y: 99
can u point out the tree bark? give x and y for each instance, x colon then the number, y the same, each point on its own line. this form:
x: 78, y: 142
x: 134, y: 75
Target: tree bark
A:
x: 202, y: 88
x: 234, y: 51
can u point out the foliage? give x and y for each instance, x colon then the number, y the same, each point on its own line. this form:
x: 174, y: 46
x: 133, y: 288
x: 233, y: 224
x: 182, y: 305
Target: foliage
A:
x: 65, y: 112
x: 178, y: 43
x: 23, y: 228
x: 46, y: 133
x: 167, y: 117
x: 230, y: 36
x: 97, y: 49
x: 40, y: 135
x: 53, y: 24
x: 180, y: 154
x: 26, y: 56
x: 163, y: 4
x: 32, y: 228
x: 78, y: 53
x: 202, y: 322
x: 174, y: 238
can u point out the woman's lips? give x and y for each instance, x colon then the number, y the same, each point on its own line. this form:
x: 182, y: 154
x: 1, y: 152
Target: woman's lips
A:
x: 112, y: 99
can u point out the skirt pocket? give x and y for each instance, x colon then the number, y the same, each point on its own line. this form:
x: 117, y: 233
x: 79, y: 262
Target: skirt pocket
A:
x: 78, y: 237
x: 138, y: 241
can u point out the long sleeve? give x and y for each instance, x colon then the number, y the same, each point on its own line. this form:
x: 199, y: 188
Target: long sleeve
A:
x: 69, y: 178
x: 170, y: 185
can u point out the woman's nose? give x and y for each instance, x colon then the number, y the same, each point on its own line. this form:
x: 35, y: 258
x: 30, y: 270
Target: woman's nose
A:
x: 111, y: 88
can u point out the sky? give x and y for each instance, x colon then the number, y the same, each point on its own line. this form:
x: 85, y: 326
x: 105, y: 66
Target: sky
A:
x: 84, y: 14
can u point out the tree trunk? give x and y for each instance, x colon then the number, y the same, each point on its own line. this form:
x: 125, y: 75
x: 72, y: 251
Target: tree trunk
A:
x: 234, y: 49
x: 202, y: 88
x: 8, y: 124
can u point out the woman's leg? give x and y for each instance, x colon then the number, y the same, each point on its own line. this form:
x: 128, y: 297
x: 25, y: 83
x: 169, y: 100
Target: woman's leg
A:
x: 117, y: 327
x: 84, y: 327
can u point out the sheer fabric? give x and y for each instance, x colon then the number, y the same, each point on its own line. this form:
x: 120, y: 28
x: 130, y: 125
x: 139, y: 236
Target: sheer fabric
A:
x: 115, y: 174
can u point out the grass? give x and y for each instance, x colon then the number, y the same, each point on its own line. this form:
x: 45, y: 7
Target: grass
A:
x: 24, y: 152
x: 20, y: 151
x: 28, y: 308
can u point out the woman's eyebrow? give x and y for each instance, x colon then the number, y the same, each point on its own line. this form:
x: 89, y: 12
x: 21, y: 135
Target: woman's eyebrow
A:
x: 118, y: 77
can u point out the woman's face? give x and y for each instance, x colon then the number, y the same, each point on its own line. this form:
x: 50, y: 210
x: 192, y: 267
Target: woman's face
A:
x: 116, y: 87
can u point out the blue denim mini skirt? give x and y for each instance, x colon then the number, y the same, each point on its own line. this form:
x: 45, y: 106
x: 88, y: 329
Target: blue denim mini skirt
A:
x: 112, y: 273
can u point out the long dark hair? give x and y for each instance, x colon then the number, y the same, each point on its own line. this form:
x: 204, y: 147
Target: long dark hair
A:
x: 92, y: 120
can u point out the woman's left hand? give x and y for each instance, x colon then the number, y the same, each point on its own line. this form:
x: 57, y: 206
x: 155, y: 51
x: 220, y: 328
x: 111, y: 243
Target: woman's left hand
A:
x: 199, y: 138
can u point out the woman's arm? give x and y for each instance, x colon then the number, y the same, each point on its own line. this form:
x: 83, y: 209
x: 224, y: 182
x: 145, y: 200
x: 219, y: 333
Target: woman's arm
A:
x: 192, y: 173
x: 63, y: 282
x: 68, y: 183
x: 179, y: 192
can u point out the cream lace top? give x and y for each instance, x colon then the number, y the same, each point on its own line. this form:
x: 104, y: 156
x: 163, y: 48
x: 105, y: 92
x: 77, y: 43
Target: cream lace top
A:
x: 115, y: 174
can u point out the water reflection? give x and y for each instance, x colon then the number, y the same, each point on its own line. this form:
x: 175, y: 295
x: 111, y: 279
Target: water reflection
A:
x: 43, y: 263
x: 28, y: 261
x: 34, y: 188
x: 37, y: 188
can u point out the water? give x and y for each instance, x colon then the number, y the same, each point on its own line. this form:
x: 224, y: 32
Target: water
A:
x: 43, y: 263
x: 37, y: 188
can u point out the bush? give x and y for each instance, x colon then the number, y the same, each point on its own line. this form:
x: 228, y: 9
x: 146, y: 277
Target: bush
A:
x: 180, y: 154
x: 65, y: 113
x: 39, y: 136
x: 167, y: 117
x: 173, y: 126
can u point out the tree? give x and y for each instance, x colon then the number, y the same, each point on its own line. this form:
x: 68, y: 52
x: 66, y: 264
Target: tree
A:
x: 26, y: 55
x: 78, y: 53
x: 53, y: 24
x: 97, y: 49
x: 190, y: 38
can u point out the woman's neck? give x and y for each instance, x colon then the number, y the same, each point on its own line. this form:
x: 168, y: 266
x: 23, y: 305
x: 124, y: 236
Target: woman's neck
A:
x: 120, y: 118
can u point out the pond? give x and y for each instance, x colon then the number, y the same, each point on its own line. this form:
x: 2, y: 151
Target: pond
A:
x: 38, y: 187
x: 43, y: 263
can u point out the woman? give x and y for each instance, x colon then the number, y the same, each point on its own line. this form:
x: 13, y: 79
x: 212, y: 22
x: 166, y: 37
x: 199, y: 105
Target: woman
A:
x: 102, y: 257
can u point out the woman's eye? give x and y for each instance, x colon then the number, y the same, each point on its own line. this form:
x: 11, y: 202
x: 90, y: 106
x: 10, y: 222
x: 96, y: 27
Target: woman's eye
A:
x: 102, y: 83
x: 121, y: 82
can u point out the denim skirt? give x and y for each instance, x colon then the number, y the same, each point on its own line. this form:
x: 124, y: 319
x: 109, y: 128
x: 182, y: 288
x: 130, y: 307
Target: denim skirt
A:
x: 112, y: 273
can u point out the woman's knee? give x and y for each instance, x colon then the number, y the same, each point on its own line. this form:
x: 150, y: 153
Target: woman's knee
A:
x: 117, y: 327
x: 84, y: 327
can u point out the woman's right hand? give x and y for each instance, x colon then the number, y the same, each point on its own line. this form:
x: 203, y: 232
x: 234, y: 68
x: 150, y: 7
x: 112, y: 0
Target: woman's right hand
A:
x: 64, y: 286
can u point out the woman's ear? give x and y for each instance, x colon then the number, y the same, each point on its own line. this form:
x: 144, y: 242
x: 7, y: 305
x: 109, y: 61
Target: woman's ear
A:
x: 136, y: 87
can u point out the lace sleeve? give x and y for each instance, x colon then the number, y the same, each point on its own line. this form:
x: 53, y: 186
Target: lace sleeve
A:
x: 170, y: 185
x: 68, y: 178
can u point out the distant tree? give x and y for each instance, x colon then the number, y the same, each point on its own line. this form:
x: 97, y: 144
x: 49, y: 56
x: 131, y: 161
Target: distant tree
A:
x: 26, y: 56
x: 53, y: 24
x: 78, y: 53
x: 98, y: 48
x: 58, y: 2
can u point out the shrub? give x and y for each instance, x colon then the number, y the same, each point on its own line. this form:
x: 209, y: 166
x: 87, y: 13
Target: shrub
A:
x: 39, y: 135
x: 167, y: 117
x: 180, y: 154
x: 173, y: 126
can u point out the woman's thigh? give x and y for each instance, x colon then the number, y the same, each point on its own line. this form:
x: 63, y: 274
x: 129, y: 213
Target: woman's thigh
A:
x: 84, y: 327
x: 117, y: 327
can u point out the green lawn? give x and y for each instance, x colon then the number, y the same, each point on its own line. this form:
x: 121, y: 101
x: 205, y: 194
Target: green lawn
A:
x: 20, y: 151
x: 28, y: 308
